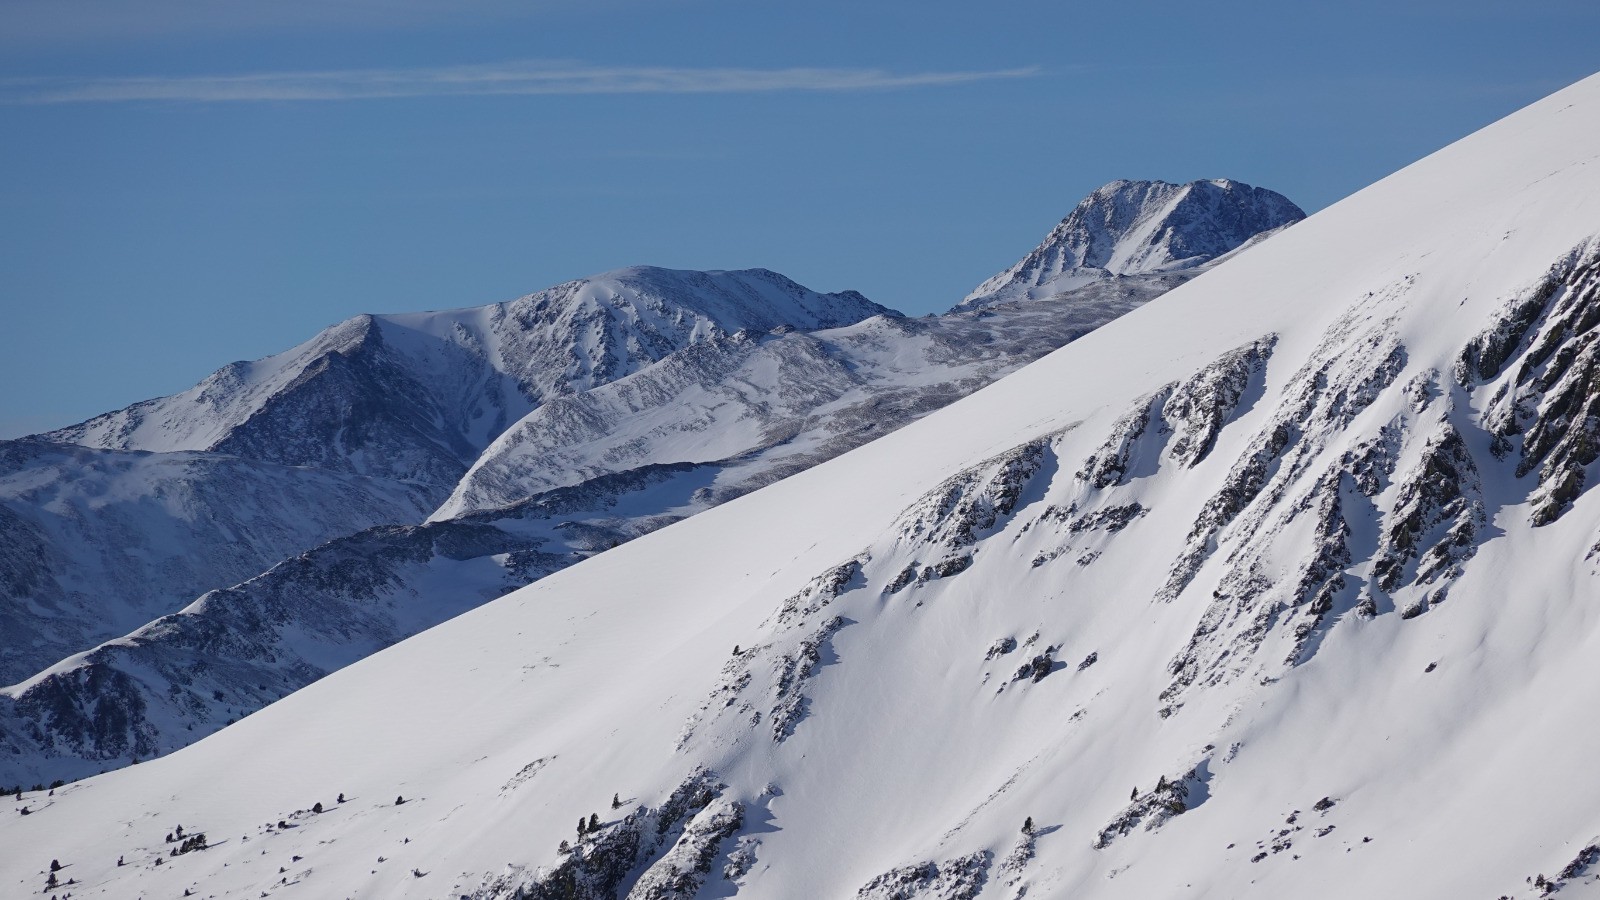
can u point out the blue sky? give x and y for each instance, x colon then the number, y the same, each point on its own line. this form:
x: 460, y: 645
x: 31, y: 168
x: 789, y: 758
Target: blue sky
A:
x: 190, y: 182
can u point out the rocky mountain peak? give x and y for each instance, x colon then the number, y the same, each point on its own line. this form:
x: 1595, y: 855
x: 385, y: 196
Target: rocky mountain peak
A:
x: 1140, y: 229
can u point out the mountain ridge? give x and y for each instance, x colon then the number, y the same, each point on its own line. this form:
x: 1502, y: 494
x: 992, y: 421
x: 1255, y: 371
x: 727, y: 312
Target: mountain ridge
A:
x: 912, y: 707
x: 463, y: 374
x: 1126, y: 235
x: 724, y: 414
x: 135, y: 513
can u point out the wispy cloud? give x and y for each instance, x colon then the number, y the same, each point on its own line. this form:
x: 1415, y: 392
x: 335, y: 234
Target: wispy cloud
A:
x: 507, y: 79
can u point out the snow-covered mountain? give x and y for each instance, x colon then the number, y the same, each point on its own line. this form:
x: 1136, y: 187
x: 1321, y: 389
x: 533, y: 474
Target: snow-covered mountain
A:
x: 760, y: 407
x: 1233, y: 597
x: 416, y: 397
x: 584, y: 471
x: 99, y: 542
x: 134, y: 514
x: 1140, y: 239
x: 582, y: 474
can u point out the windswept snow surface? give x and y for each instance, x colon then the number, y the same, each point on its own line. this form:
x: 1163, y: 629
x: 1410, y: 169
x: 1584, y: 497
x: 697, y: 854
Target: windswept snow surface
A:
x: 1201, y: 689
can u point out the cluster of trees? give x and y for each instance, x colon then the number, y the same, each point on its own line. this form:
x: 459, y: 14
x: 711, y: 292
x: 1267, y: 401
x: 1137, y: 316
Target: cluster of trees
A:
x: 54, y: 880
x: 588, y: 826
x: 17, y: 790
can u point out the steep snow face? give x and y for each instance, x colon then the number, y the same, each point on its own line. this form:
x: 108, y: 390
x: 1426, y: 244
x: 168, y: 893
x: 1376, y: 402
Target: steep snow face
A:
x: 583, y: 472
x: 586, y: 472
x: 417, y: 397
x: 98, y: 542
x: 1233, y: 597
x: 1141, y: 236
x: 134, y: 514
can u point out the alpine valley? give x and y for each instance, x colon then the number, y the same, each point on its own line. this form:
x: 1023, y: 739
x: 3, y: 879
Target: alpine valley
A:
x: 1277, y: 585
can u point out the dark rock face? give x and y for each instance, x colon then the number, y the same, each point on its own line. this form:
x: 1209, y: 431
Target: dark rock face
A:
x: 962, y: 878
x: 954, y: 514
x: 649, y: 854
x: 1154, y: 808
x: 1181, y: 420
x: 1408, y: 495
x: 1444, y: 492
x: 1548, y: 341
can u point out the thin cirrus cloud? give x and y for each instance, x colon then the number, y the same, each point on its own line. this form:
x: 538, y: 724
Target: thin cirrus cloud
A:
x: 510, y: 79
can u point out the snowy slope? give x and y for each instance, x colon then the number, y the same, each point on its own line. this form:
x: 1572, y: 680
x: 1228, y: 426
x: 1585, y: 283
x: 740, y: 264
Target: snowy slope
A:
x: 370, y: 423
x: 583, y: 472
x: 778, y: 398
x: 762, y: 407
x: 1312, y: 586
x: 416, y: 397
x: 1140, y: 238
x: 98, y: 542
x: 803, y: 398
x: 133, y: 514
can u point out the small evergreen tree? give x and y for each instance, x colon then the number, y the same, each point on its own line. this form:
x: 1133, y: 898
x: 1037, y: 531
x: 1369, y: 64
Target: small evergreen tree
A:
x: 399, y: 800
x: 341, y: 798
x: 1027, y: 825
x: 583, y: 826
x: 55, y: 865
x: 594, y: 821
x: 616, y: 801
x: 317, y: 807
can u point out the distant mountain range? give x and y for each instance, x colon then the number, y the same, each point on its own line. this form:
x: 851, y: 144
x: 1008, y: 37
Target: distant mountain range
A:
x: 1285, y: 584
x: 188, y: 560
